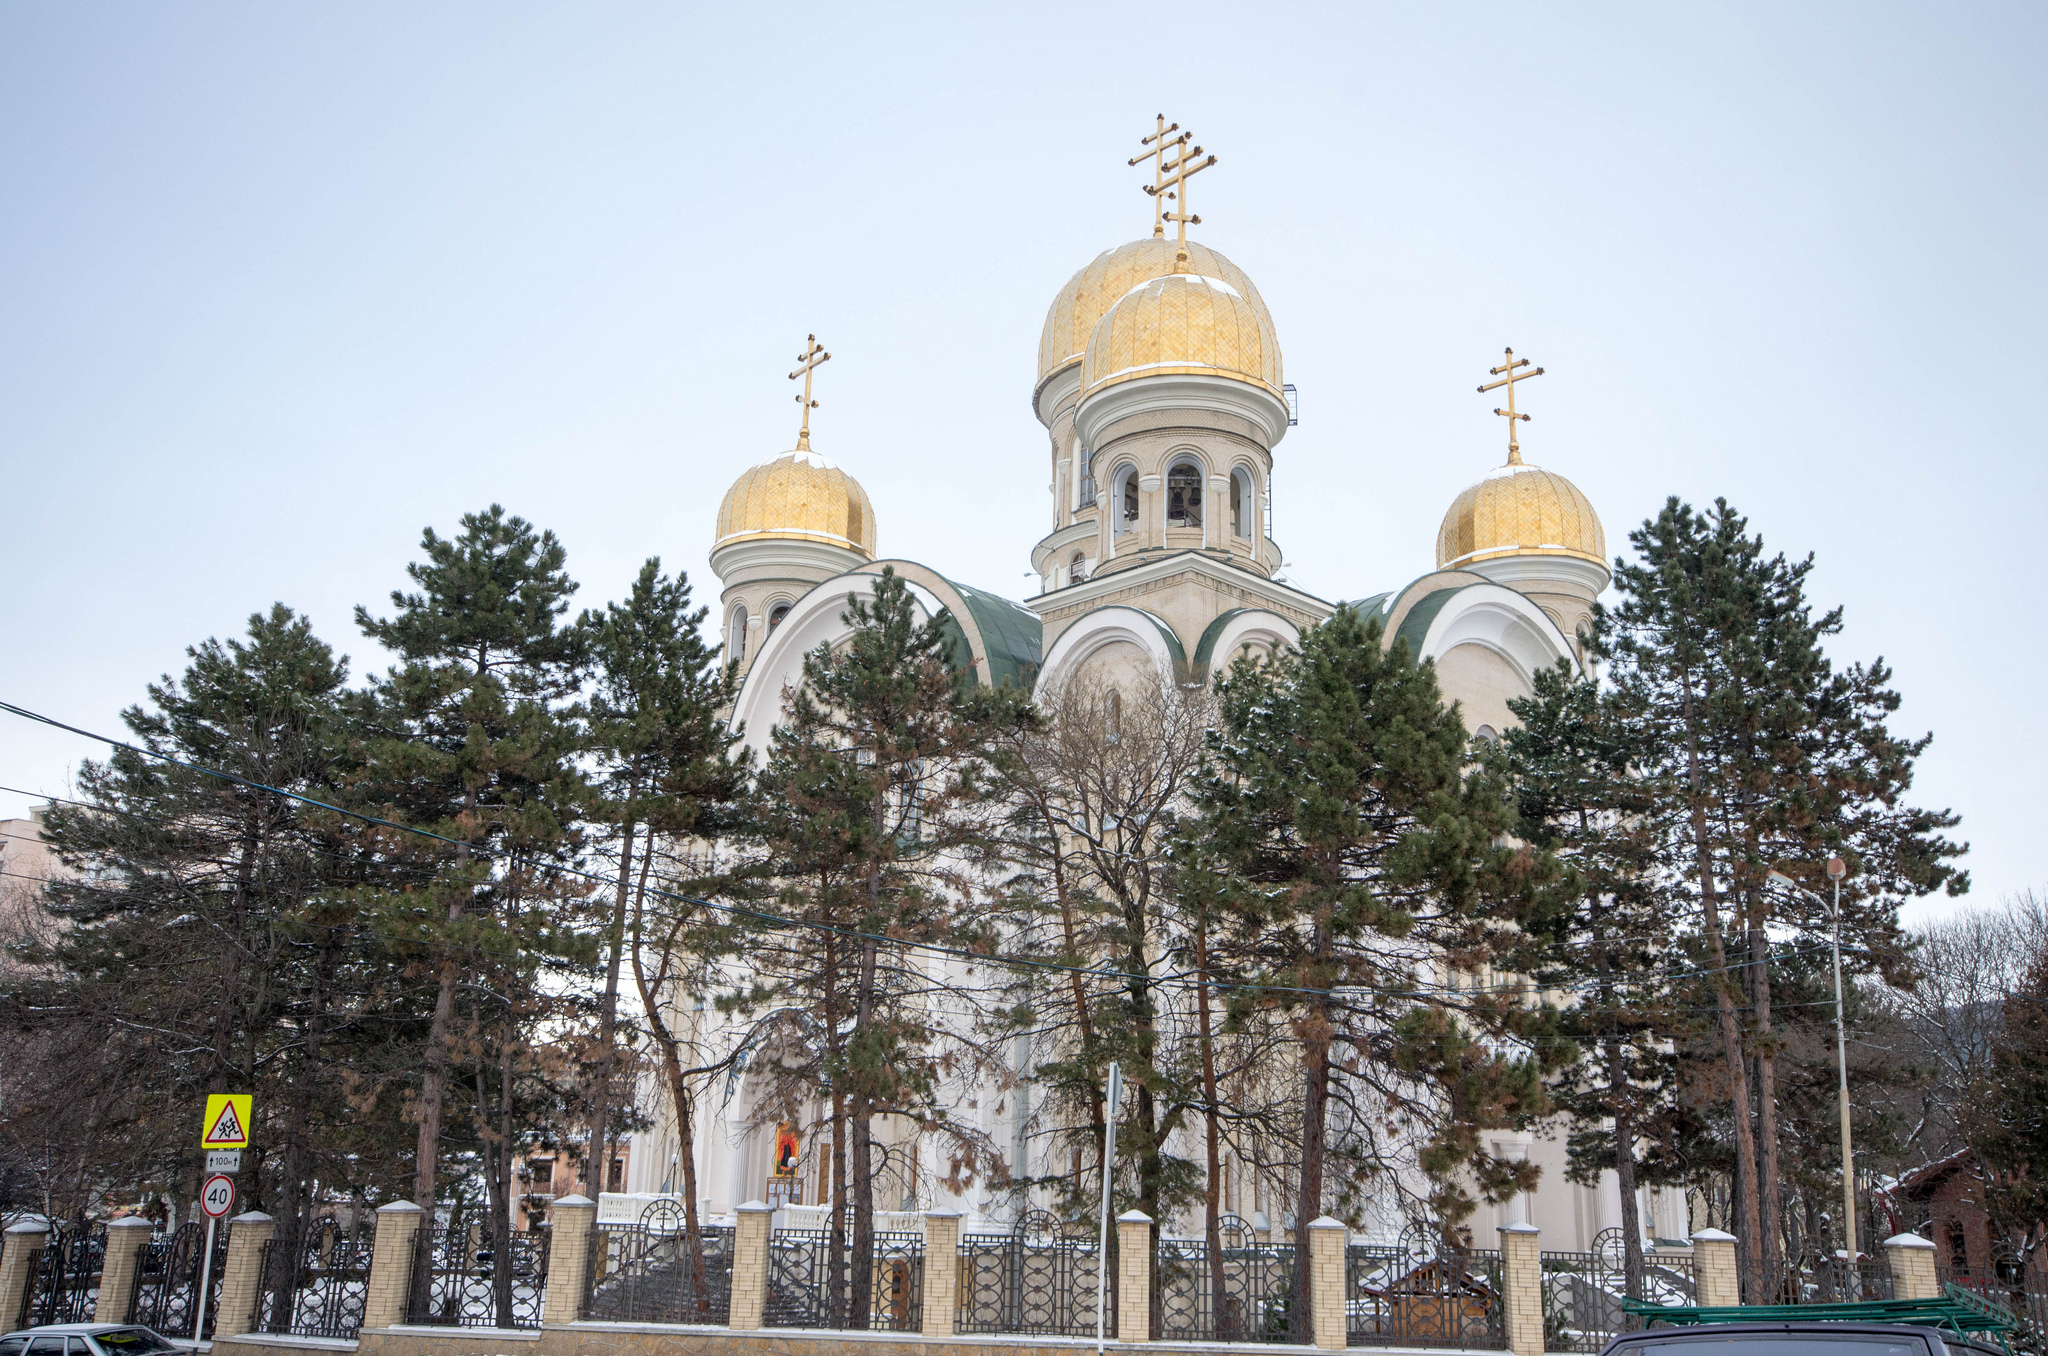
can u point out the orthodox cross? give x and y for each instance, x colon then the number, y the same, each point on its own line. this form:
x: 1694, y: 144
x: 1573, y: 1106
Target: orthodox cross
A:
x: 811, y: 357
x: 1509, y: 375
x: 1157, y: 155
x: 1173, y: 182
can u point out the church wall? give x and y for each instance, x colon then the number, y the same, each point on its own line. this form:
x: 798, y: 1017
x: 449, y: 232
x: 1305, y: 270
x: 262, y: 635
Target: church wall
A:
x: 1480, y: 680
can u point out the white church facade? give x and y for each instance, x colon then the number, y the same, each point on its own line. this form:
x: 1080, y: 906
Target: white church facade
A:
x: 1160, y: 386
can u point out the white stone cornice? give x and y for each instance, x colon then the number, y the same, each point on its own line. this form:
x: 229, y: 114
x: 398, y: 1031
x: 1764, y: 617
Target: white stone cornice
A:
x: 1265, y: 411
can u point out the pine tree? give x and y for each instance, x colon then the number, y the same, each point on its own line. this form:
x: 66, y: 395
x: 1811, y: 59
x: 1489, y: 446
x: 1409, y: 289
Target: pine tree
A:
x: 665, y: 771
x: 1609, y: 937
x: 1362, y: 854
x: 472, y: 742
x: 1774, y: 760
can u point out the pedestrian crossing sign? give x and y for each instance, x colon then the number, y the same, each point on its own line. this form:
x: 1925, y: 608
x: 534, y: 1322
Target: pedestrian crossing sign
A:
x: 227, y: 1120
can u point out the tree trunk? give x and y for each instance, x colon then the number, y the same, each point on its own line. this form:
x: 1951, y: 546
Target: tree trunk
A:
x: 1625, y: 1179
x: 861, y: 1278
x: 502, y: 1187
x: 1773, y: 1203
x: 1228, y: 1315
x: 608, y: 1005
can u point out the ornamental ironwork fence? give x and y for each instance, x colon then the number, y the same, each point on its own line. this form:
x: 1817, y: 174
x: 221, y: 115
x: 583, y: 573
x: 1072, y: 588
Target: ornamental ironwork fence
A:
x: 317, y: 1288
x: 1239, y: 1291
x: 2018, y: 1287
x: 1817, y: 1279
x: 1398, y: 1297
x: 647, y: 1273
x: 1583, y: 1294
x: 803, y: 1292
x: 1036, y: 1280
x: 167, y: 1280
x: 457, y: 1279
x: 64, y: 1277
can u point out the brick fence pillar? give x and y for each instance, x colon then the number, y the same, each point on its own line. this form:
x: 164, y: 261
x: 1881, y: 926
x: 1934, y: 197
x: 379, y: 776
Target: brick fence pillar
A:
x: 125, y: 1239
x: 241, y: 1276
x: 1713, y: 1269
x: 398, y: 1225
x: 575, y: 1219
x: 1521, y: 1278
x: 750, y: 1265
x: 1912, y: 1259
x: 1326, y: 1240
x: 1134, y: 1276
x: 941, y: 1271
x: 18, y: 1249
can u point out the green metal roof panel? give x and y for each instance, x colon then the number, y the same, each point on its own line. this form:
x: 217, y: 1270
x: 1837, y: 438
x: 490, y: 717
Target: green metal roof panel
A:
x: 1011, y: 634
x: 1416, y: 624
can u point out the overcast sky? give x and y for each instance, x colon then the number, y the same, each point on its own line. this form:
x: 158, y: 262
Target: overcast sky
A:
x: 281, y: 285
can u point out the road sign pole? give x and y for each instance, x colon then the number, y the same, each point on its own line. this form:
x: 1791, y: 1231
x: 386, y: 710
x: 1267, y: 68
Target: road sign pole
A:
x: 205, y: 1280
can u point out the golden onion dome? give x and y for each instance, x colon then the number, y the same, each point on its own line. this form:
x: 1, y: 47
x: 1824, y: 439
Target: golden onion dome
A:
x: 797, y: 496
x: 1520, y: 510
x: 1183, y: 324
x: 1089, y: 294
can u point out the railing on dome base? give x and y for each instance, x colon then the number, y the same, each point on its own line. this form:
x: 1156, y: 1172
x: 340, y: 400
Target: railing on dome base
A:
x: 1242, y: 1292
x: 1037, y: 1280
x: 646, y: 1273
x: 803, y: 1293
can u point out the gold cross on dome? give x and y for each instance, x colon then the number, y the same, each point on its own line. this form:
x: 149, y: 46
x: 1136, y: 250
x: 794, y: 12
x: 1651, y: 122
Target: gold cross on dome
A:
x: 1509, y: 374
x: 810, y: 359
x: 1157, y: 155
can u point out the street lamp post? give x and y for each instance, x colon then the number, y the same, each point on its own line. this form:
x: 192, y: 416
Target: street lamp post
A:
x: 1836, y: 870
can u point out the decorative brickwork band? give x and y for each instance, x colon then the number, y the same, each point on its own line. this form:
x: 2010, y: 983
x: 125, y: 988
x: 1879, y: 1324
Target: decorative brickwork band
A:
x: 1713, y: 1268
x: 1326, y: 1239
x: 1521, y: 1276
x: 1134, y: 1276
x: 575, y: 1217
x: 391, y: 1265
x: 941, y: 1272
x: 18, y: 1249
x: 1912, y: 1259
x: 750, y: 1265
x: 242, y: 1276
x: 125, y: 1239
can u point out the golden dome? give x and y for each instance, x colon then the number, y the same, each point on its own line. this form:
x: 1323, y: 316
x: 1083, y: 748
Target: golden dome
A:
x: 797, y: 496
x: 1090, y: 293
x: 1520, y: 510
x: 1183, y: 324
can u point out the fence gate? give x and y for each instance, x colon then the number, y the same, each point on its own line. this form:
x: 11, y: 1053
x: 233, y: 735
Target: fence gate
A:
x: 317, y: 1288
x: 1395, y: 1298
x: 1240, y: 1291
x: 645, y: 1272
x: 1037, y: 1280
x: 459, y: 1281
x: 1583, y: 1294
x: 64, y: 1278
x: 802, y: 1290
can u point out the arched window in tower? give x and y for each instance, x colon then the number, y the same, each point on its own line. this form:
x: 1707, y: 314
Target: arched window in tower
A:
x: 736, y: 633
x: 1077, y: 569
x: 776, y: 614
x: 1113, y: 715
x: 1184, y: 495
x: 1243, y: 503
x: 1085, y: 497
x: 1124, y: 495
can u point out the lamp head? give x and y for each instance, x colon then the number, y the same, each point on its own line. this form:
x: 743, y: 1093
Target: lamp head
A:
x: 1837, y: 868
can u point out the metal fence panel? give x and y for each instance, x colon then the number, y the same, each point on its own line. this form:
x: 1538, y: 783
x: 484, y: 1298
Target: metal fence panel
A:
x: 314, y: 1289
x: 1035, y: 1280
x: 646, y: 1273
x: 456, y: 1281
x: 1241, y: 1292
x: 1393, y: 1298
x: 1583, y: 1294
x: 802, y: 1292
x: 167, y: 1277
x: 64, y: 1278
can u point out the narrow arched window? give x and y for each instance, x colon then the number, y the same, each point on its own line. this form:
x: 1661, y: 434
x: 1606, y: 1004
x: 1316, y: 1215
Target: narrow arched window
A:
x: 776, y: 614
x: 1113, y: 714
x: 1184, y: 496
x: 1077, y: 569
x: 736, y: 634
x: 1086, y: 497
x: 1130, y: 497
x: 1237, y: 505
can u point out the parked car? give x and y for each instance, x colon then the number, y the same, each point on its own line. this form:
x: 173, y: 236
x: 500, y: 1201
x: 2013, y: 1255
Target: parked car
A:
x: 1794, y: 1338
x: 88, y: 1339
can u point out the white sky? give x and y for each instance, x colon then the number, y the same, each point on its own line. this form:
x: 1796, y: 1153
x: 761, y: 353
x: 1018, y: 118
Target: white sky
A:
x: 279, y: 285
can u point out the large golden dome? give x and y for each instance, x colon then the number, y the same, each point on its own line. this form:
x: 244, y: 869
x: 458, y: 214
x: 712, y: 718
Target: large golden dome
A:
x: 1520, y: 510
x: 797, y: 496
x: 1089, y: 294
x: 1183, y: 324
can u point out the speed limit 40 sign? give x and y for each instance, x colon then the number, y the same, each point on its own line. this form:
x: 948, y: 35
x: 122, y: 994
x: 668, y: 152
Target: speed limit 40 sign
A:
x: 217, y: 1197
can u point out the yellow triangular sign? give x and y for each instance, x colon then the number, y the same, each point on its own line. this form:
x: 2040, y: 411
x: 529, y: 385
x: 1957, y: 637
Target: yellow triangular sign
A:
x: 227, y: 1120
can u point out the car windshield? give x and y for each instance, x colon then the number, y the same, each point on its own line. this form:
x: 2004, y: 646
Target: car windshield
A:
x: 1782, y: 1344
x: 126, y: 1340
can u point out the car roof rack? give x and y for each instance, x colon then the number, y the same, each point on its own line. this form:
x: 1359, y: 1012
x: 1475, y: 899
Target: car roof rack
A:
x: 1957, y: 1309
